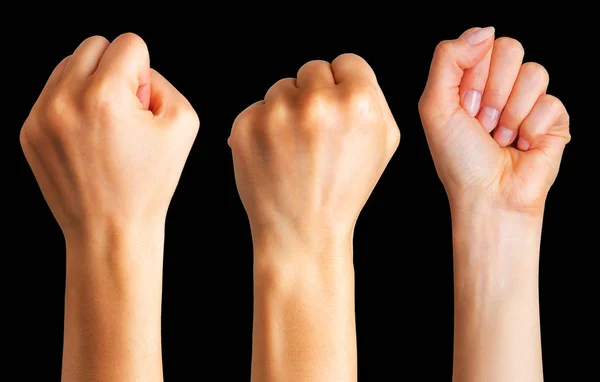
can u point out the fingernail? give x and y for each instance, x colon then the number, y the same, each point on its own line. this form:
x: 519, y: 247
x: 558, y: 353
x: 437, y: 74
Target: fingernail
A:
x: 471, y: 102
x: 522, y: 144
x: 479, y: 35
x: 503, y: 136
x: 489, y: 118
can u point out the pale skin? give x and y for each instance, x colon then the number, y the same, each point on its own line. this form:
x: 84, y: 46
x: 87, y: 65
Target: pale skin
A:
x: 107, y: 140
x: 306, y: 159
x: 497, y: 141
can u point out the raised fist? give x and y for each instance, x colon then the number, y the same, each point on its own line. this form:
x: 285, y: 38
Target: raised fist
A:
x: 108, y: 137
x: 494, y: 133
x: 308, y: 156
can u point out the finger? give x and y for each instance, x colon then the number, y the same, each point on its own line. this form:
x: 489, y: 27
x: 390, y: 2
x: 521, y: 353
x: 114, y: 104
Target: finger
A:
x: 315, y: 74
x: 126, y: 61
x: 86, y: 57
x: 55, y: 77
x: 450, y: 60
x: 547, y: 114
x: 474, y: 79
x: 168, y: 105
x: 531, y: 83
x: 351, y: 67
x: 507, y: 57
x: 243, y: 120
x: 281, y: 88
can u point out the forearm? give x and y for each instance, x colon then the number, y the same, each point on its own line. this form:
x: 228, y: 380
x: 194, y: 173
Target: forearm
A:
x: 113, y: 306
x: 304, y: 317
x: 496, y: 306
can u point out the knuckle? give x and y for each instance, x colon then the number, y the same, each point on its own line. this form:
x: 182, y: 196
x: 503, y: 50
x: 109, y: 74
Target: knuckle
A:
x: 279, y: 87
x: 348, y: 58
x: 237, y: 129
x: 313, y: 64
x: 510, y: 45
x: 553, y: 101
x: 513, y: 117
x: 25, y: 137
x: 245, y: 118
x: 422, y: 104
x: 59, y: 108
x: 131, y: 40
x: 313, y: 106
x: 184, y: 113
x: 495, y: 94
x: 236, y: 136
x: 277, y: 111
x: 190, y: 116
x: 97, y: 39
x: 556, y: 107
x: 360, y: 102
x: 99, y: 96
x: 395, y: 137
x: 535, y: 70
x: 444, y: 49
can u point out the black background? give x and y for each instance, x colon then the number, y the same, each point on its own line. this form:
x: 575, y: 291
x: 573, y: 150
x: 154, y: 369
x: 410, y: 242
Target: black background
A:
x: 403, y: 250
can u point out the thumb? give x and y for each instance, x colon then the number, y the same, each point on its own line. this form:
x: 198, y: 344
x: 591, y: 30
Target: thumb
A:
x: 126, y: 62
x: 144, y: 91
x: 450, y: 60
x: 168, y: 105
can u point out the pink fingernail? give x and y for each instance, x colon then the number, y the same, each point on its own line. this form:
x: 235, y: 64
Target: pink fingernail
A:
x: 522, y: 144
x: 503, y: 135
x: 472, y: 102
x: 489, y: 118
x: 479, y: 35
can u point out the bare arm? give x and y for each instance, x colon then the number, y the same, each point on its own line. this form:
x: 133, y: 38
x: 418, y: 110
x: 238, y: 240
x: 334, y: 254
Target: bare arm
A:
x: 113, y: 306
x: 496, y: 316
x: 304, y: 321
x: 106, y: 141
x: 306, y: 159
x: 497, y: 140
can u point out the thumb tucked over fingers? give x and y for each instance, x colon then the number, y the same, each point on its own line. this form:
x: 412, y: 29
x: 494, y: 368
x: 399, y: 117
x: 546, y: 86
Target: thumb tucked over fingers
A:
x: 450, y: 59
x: 144, y: 90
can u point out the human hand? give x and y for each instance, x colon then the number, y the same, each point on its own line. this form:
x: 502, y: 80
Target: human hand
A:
x: 307, y: 157
x: 108, y: 137
x: 495, y: 135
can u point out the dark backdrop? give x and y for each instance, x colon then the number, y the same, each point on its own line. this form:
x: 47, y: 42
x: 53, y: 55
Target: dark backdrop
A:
x: 403, y: 250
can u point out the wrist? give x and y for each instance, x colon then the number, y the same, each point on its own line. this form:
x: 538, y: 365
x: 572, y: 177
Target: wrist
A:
x: 129, y: 256
x: 291, y: 264
x: 496, y: 251
x: 113, y: 301
x: 276, y: 248
x: 304, y: 312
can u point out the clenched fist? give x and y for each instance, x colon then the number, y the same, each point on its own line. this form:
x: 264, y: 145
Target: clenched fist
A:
x: 108, y: 137
x: 494, y: 133
x: 309, y: 155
